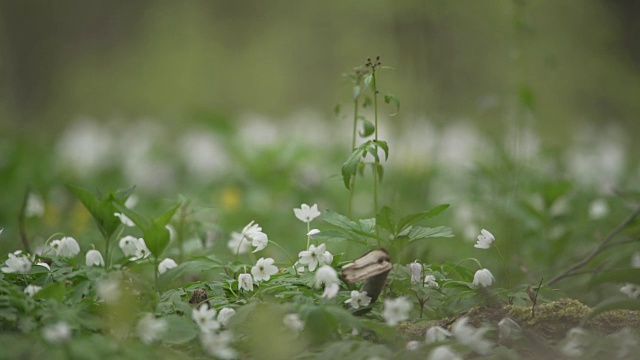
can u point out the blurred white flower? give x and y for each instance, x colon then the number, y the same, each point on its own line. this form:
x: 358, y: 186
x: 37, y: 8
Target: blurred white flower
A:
x: 253, y: 232
x: 203, y: 154
x: 631, y: 290
x: 35, y: 206
x: 416, y: 272
x: 131, y: 201
x: 314, y: 256
x: 217, y: 344
x: 313, y: 232
x: 238, y: 243
x: 263, y: 269
x: 205, y: 318
x: 124, y: 219
x: 396, y: 310
x: 94, y: 258
x: 430, y: 281
x: 482, y: 278
x: 245, y: 282
x: 128, y: 245
x: 142, y: 251
x: 86, y: 147
x: 166, y: 264
x: 293, y: 322
x: 575, y: 342
x: 326, y: 275
x: 31, y: 290
x: 598, y: 209
x: 225, y: 315
x: 330, y: 291
x: 485, y: 240
x: 358, y: 299
x: 507, y: 327
x: 149, y: 328
x: 17, y: 263
x: 57, y: 333
x: 307, y: 214
x: 109, y: 289
x: 443, y: 353
x: 436, y: 334
x: 471, y: 337
x: 635, y: 260
x: 413, y: 345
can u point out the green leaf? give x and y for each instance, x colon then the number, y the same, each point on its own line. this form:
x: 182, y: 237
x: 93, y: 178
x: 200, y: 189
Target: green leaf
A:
x: 166, y: 217
x: 630, y: 304
x: 141, y: 221
x: 526, y: 97
x: 181, y: 330
x: 338, y: 220
x: 366, y: 81
x: 55, y: 291
x: 631, y: 275
x: 101, y: 209
x: 384, y: 219
x: 392, y: 98
x: 412, y: 219
x: 384, y: 146
x: 419, y: 233
x: 350, y: 166
x: 368, y: 128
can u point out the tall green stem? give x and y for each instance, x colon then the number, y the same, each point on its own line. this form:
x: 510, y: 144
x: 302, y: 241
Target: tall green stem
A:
x: 374, y: 87
x: 353, y: 146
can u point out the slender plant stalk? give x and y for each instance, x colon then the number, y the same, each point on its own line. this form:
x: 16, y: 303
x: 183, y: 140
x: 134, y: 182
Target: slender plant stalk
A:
x: 353, y: 146
x: 374, y: 87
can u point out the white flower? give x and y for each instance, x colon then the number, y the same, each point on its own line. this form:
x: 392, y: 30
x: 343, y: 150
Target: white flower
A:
x: 128, y: 245
x: 485, y: 240
x: 31, y: 290
x: 507, y: 327
x: 430, y: 281
x: 576, y: 341
x: 225, y: 315
x: 413, y: 345
x: 416, y: 272
x: 109, y: 290
x: 598, y: 209
x: 166, y: 264
x: 326, y: 275
x: 205, y: 318
x: 635, y: 260
x: 330, y: 291
x: 293, y: 322
x: 313, y: 232
x: 443, y: 353
x: 396, y: 310
x: 328, y: 258
x: 124, y: 219
x: 142, y: 251
x: 94, y: 258
x: 66, y: 247
x: 45, y: 265
x: 17, y: 263
x: 217, y: 344
x: 482, y: 278
x: 631, y: 290
x: 264, y: 269
x: 131, y: 201
x: 437, y: 334
x: 238, y: 244
x: 245, y: 282
x: 471, y: 337
x: 314, y: 256
x: 35, y: 206
x: 307, y: 214
x: 149, y: 329
x: 253, y: 232
x: 358, y: 299
x: 57, y: 333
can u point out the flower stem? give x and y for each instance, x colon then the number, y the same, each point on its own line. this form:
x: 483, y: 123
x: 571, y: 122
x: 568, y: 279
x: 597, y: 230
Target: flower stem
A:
x: 281, y: 248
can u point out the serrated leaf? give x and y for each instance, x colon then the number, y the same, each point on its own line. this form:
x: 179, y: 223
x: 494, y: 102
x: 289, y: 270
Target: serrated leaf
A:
x: 412, y: 219
x: 339, y: 220
x: 419, y: 233
x: 384, y: 219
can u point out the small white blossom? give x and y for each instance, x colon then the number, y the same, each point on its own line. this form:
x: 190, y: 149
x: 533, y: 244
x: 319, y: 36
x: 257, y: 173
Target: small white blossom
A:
x: 94, y: 258
x: 631, y: 290
x: 149, y: 329
x: 31, y: 290
x: 142, y: 251
x: 635, y: 260
x: 238, y: 244
x: 66, y: 247
x: 245, y: 282
x: 598, y: 209
x: 358, y: 299
x: 314, y: 256
x: 437, y: 334
x: 575, y: 343
x: 131, y: 201
x: 307, y: 214
x: 485, y: 240
x: 507, y: 327
x: 430, y: 281
x: 293, y: 322
x: 253, y: 232
x: 313, y: 232
x: 331, y: 291
x: 109, y: 290
x: 396, y: 310
x: 471, y: 337
x: 128, y: 245
x: 166, y: 264
x: 205, y: 318
x: 124, y: 219
x: 443, y: 353
x: 326, y: 275
x: 217, y: 344
x: 17, y: 263
x: 482, y: 278
x: 263, y: 269
x: 413, y: 345
x: 416, y: 272
x: 57, y: 333
x: 35, y: 206
x: 225, y: 315
x: 44, y: 264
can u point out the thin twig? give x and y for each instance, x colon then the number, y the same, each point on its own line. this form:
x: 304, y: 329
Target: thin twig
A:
x: 598, y: 249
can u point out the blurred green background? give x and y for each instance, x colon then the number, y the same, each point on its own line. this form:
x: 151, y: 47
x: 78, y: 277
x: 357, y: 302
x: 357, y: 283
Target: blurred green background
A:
x: 508, y: 108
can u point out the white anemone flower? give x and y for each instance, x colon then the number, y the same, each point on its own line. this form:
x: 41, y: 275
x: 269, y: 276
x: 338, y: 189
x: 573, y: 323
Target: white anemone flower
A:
x: 326, y: 275
x: 306, y: 213
x: 331, y: 291
x: 443, y: 353
x: 430, y: 281
x: 469, y: 336
x: 31, y: 290
x: 293, y: 322
x: 263, y: 269
x: 124, y: 219
x: 225, y: 315
x: 128, y: 245
x: 245, y: 282
x: 416, y: 272
x: 205, y: 318
x: 314, y: 256
x: 396, y: 310
x: 142, y: 251
x: 57, y: 333
x: 238, y: 243
x: 217, y: 344
x: 482, y: 278
x: 437, y: 334
x: 358, y: 299
x: 166, y: 264
x: 485, y: 240
x: 94, y: 258
x: 66, y: 247
x: 631, y: 290
x: 313, y: 232
x: 17, y: 263
x: 149, y: 328
x: 253, y: 232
